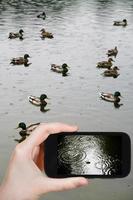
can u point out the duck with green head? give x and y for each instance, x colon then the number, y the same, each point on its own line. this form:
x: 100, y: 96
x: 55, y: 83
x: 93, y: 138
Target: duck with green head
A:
x: 26, y: 130
x: 112, y: 52
x: 113, y: 72
x: 114, y: 98
x: 105, y: 64
x: 60, y: 68
x: 38, y: 101
x: 16, y: 35
x: 42, y: 15
x: 120, y: 23
x: 45, y: 34
x: 21, y: 60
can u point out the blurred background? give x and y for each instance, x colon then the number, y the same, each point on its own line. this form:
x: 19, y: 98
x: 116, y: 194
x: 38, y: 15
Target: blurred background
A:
x: 83, y: 32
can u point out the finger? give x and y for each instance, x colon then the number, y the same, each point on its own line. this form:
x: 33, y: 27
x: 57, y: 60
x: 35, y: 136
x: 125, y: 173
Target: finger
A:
x: 40, y: 158
x: 56, y: 185
x: 44, y: 130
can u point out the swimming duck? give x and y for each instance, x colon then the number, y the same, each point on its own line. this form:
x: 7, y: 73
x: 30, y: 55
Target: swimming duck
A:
x: 45, y: 34
x: 21, y: 60
x: 120, y: 23
x: 26, y: 130
x: 60, y: 68
x: 42, y: 15
x: 38, y: 101
x: 112, y: 72
x: 112, y: 52
x: 16, y: 35
x: 105, y: 64
x: 111, y: 97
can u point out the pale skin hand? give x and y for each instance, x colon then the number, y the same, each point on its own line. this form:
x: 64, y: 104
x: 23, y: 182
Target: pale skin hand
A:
x: 25, y: 178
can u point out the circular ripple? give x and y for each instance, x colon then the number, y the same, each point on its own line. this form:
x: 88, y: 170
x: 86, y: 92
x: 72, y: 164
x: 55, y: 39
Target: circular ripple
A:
x: 71, y: 156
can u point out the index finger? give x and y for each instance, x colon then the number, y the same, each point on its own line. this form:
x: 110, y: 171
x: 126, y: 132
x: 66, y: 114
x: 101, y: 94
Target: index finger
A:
x: 41, y: 133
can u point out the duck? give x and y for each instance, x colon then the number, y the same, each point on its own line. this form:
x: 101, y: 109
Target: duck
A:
x: 114, y: 98
x: 21, y: 60
x: 45, y: 34
x: 26, y: 130
x: 112, y: 72
x: 16, y: 35
x: 42, y: 15
x: 120, y: 23
x: 105, y: 64
x: 60, y: 68
x: 38, y: 101
x: 112, y: 52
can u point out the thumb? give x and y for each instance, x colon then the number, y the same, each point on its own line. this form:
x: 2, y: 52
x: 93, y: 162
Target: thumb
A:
x: 56, y: 185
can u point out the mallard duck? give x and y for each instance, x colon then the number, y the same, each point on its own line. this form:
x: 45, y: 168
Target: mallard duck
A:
x: 111, y: 97
x: 112, y: 72
x: 120, y: 23
x: 26, y: 130
x: 42, y: 15
x: 60, y: 68
x: 21, y: 60
x: 16, y: 35
x: 38, y: 101
x: 45, y: 34
x: 105, y: 64
x: 112, y: 52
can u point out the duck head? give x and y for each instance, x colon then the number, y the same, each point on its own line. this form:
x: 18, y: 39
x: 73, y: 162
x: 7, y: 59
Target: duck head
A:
x: 43, y: 97
x: 110, y: 60
x: 117, y: 94
x: 43, y: 13
x: 26, y: 56
x: 43, y: 30
x: 64, y: 66
x: 115, y: 68
x: 21, y: 31
x: 125, y: 21
x: 22, y: 125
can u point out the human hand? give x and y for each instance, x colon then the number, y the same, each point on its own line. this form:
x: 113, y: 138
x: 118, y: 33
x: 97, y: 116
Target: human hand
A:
x: 26, y: 178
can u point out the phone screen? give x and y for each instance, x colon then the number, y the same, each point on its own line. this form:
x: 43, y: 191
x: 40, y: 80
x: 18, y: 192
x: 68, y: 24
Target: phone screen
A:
x: 88, y: 154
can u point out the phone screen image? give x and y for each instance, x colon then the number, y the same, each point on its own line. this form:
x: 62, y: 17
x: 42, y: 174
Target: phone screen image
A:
x: 89, y: 154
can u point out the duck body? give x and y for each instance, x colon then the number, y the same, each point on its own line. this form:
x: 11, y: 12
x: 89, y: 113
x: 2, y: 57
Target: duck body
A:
x: 38, y: 101
x: 20, y: 60
x: 120, y: 23
x: 60, y: 68
x: 114, y: 98
x: 42, y: 15
x: 112, y: 52
x: 45, y: 34
x: 105, y: 64
x: 16, y: 35
x: 112, y: 72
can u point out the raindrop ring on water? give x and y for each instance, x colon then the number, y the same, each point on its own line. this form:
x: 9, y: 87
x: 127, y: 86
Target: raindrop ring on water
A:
x: 71, y: 156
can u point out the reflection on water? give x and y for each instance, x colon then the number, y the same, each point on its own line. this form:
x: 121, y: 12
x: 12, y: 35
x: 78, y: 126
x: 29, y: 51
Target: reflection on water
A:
x: 93, y: 155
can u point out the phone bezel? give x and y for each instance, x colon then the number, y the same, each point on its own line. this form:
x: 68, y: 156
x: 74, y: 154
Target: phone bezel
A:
x: 50, y: 158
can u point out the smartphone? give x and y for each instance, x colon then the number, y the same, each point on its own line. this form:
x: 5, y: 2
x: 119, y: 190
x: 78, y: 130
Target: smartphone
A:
x: 88, y: 154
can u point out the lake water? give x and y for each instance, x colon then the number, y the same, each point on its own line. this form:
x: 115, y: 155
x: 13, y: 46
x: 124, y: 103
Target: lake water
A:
x: 83, y: 32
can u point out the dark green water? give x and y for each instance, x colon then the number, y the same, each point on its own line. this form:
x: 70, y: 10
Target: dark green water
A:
x: 83, y: 33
